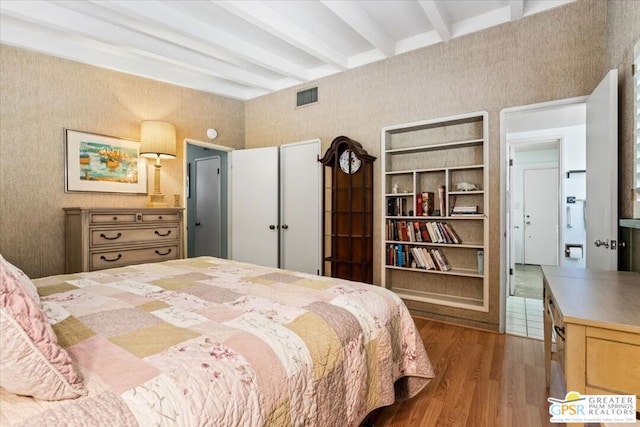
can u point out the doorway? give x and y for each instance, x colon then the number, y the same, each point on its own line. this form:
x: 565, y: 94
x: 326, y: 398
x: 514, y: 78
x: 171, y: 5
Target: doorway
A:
x: 541, y: 143
x: 206, y: 194
x: 208, y: 224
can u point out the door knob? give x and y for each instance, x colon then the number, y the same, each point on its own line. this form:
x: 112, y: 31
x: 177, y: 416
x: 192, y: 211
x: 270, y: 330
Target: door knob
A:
x: 285, y: 226
x: 272, y: 227
x: 197, y: 224
x: 599, y: 243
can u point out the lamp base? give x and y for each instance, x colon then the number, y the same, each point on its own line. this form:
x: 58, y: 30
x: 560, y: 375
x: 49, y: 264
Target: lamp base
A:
x: 157, y: 201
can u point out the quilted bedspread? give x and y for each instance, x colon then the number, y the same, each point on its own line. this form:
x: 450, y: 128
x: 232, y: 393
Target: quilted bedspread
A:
x: 207, y: 341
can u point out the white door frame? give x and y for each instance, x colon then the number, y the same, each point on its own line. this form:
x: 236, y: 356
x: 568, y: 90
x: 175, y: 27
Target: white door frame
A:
x: 183, y: 202
x: 510, y: 146
x: 504, y: 167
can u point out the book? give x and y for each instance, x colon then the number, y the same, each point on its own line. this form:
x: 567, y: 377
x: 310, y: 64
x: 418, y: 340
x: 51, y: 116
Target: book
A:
x: 452, y: 233
x: 416, y: 231
x: 464, y: 209
x: 428, y: 259
x: 432, y: 236
x: 427, y: 203
x: 424, y: 233
x: 441, y: 260
x: 403, y: 231
x: 447, y: 237
x: 416, y: 255
x: 418, y: 205
x: 441, y: 192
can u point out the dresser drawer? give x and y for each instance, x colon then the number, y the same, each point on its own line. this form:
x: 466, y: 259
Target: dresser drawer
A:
x: 158, y: 217
x: 106, y: 237
x: 113, y: 218
x: 108, y: 259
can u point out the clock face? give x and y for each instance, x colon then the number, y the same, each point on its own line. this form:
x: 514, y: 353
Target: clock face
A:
x: 347, y: 158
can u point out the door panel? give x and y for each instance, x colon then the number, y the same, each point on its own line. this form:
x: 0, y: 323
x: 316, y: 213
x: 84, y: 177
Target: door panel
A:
x: 602, y: 174
x: 254, y: 206
x: 540, y: 188
x: 207, y: 194
x: 300, y: 184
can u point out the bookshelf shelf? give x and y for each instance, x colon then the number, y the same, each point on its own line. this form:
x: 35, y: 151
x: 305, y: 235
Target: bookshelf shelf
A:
x: 426, y: 161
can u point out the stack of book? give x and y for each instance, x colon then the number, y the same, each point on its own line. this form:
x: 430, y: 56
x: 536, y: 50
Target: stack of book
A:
x: 422, y: 231
x: 417, y: 257
x: 464, y: 210
x: 430, y: 259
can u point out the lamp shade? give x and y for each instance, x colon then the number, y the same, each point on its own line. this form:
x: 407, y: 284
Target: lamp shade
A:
x: 157, y: 139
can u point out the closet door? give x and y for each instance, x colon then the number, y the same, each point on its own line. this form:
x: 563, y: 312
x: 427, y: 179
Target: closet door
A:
x: 254, y: 206
x: 300, y: 206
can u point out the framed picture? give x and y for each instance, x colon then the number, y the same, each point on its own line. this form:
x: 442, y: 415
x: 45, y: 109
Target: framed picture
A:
x: 100, y: 163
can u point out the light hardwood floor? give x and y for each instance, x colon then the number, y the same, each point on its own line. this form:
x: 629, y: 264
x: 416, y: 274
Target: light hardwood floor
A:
x: 482, y: 379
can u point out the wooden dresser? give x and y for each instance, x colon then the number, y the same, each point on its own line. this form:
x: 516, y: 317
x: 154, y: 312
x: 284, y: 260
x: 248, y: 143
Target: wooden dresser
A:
x: 99, y: 238
x: 595, y: 317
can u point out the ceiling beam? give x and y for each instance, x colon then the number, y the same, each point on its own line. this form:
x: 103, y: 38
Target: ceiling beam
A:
x: 357, y: 18
x: 93, y: 52
x: 516, y: 8
x: 203, y: 37
x: 264, y: 17
x: 54, y: 16
x: 438, y: 17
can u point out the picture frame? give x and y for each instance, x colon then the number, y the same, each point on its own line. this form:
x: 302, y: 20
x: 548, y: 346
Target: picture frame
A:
x: 103, y: 164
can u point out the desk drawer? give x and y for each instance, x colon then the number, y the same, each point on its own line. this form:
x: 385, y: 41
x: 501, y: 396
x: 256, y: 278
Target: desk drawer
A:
x: 613, y: 361
x: 106, y: 237
x: 108, y: 259
x: 557, y: 327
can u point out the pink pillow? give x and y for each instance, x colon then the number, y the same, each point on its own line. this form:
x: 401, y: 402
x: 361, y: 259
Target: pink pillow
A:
x: 31, y: 361
x: 25, y: 282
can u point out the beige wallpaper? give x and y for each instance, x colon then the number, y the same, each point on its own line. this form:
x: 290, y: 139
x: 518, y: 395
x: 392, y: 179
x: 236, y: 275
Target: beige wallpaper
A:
x: 40, y: 96
x: 623, y: 33
x: 552, y: 55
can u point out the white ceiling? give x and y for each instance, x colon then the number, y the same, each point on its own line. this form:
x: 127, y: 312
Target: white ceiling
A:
x: 244, y: 49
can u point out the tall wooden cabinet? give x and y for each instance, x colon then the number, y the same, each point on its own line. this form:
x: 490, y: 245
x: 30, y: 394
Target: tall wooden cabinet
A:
x: 435, y: 175
x: 348, y: 211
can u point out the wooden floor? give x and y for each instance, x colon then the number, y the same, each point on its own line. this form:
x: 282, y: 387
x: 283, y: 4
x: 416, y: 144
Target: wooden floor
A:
x: 482, y: 379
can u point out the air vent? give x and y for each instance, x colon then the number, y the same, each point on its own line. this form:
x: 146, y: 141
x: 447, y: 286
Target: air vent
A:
x: 307, y: 96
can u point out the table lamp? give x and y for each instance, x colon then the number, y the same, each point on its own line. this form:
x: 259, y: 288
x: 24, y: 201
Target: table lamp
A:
x: 157, y: 141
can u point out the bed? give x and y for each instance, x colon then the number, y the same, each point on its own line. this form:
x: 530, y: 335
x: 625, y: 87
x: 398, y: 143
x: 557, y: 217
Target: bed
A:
x: 206, y: 341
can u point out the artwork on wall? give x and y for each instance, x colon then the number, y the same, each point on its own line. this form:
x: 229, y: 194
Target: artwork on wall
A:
x: 100, y: 163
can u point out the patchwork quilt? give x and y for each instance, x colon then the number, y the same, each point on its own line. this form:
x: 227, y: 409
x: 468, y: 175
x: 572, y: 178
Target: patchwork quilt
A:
x: 207, y: 341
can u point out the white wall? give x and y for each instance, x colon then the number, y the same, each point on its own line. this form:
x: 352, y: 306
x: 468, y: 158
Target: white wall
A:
x: 573, y: 157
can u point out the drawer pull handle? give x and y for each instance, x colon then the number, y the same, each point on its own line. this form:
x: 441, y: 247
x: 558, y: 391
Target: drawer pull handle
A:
x: 163, y: 235
x: 110, y: 238
x: 104, y: 258
x: 115, y: 218
x: 559, y: 331
x: 163, y: 254
x: 160, y: 217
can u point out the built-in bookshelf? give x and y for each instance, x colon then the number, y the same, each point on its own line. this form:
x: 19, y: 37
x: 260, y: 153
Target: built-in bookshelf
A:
x: 435, y: 225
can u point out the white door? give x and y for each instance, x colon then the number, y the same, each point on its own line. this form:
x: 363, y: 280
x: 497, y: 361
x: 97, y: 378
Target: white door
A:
x: 540, y: 188
x: 254, y: 206
x: 300, y: 197
x: 207, y: 235
x: 602, y: 175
